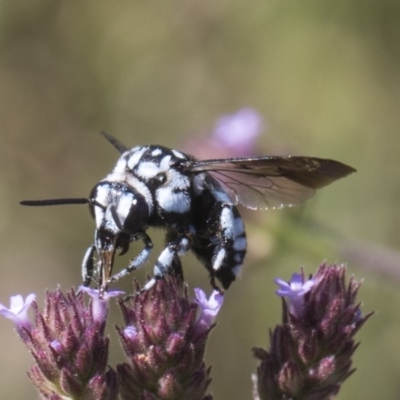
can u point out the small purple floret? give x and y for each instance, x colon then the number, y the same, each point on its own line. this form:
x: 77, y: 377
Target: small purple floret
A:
x: 100, y: 304
x: 18, y: 311
x: 209, y: 308
x: 130, y: 332
x: 57, y: 346
x: 295, y: 287
x: 294, y: 290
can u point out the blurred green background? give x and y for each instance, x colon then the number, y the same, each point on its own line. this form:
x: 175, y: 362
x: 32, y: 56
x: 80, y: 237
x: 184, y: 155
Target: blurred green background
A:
x: 325, y: 75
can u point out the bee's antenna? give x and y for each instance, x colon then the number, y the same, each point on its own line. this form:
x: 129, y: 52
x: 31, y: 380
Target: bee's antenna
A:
x: 116, y: 143
x: 54, y: 202
x: 61, y: 202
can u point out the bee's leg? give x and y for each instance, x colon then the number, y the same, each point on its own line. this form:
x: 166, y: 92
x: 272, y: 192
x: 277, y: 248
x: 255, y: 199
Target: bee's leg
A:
x: 176, y: 268
x: 167, y: 259
x: 176, y: 265
x: 230, y: 248
x: 138, y: 261
x: 88, y: 266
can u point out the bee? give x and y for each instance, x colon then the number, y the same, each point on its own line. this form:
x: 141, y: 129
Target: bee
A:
x: 194, y: 201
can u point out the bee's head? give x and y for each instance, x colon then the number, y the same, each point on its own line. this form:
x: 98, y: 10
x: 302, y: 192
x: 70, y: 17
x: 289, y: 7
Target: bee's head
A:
x: 118, y: 208
x: 119, y: 212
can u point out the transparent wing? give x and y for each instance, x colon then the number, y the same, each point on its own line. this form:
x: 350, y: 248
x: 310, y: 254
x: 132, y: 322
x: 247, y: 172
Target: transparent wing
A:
x: 270, y: 182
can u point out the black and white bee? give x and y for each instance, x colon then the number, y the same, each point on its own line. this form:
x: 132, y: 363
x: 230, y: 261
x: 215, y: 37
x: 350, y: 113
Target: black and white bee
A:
x: 194, y: 202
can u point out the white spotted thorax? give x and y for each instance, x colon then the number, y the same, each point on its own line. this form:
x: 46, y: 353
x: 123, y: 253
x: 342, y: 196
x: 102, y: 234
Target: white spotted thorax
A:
x: 194, y: 202
x: 138, y: 170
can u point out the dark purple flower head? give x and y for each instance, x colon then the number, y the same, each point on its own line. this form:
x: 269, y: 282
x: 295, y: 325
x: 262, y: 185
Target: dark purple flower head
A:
x: 68, y: 345
x: 18, y: 312
x: 294, y: 291
x: 164, y: 340
x: 310, y: 352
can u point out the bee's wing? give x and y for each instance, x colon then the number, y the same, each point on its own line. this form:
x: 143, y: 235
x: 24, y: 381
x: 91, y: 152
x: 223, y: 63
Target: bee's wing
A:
x: 270, y: 182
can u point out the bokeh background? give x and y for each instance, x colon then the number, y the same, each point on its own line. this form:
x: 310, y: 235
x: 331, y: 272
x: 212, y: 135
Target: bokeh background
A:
x: 324, y: 76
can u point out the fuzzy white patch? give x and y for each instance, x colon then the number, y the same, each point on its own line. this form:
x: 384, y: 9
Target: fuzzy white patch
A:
x: 227, y: 222
x: 216, y: 189
x: 124, y: 205
x: 165, y: 163
x: 141, y: 188
x: 147, y: 170
x: 240, y: 244
x: 177, y: 180
x: 173, y: 202
x: 221, y: 196
x: 219, y: 259
x: 110, y: 224
x: 165, y: 260
x: 178, y: 154
x: 120, y: 167
x: 198, y: 184
x: 238, y: 226
x: 102, y: 193
x: 101, y: 198
x: 156, y: 152
x: 184, y: 245
x: 133, y: 157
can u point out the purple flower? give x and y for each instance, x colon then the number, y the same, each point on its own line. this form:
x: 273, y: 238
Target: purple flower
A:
x: 18, y: 312
x: 209, y: 308
x: 57, y: 346
x: 310, y: 354
x: 164, y: 339
x: 70, y: 349
x: 294, y: 290
x: 233, y: 135
x: 130, y: 332
x: 100, y: 304
x: 238, y: 131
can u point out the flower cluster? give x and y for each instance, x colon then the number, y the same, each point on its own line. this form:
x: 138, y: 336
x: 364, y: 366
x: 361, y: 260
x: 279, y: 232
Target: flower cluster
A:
x: 18, y: 313
x: 164, y: 339
x: 310, y: 353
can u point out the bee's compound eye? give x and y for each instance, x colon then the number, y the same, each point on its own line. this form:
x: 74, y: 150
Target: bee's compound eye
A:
x: 137, y: 216
x: 97, y: 197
